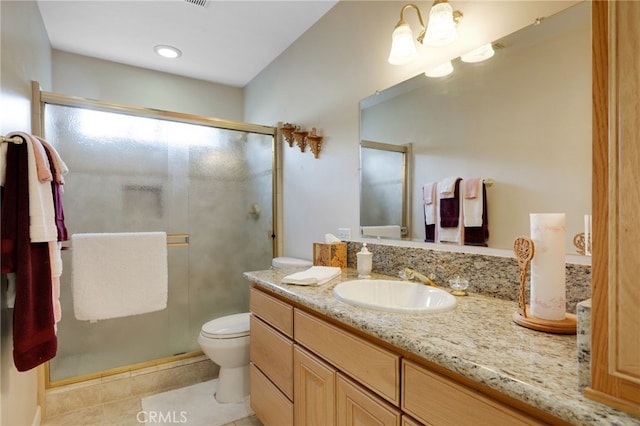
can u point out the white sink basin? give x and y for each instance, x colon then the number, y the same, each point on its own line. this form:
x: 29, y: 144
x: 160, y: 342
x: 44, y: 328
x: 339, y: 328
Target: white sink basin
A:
x: 394, y: 296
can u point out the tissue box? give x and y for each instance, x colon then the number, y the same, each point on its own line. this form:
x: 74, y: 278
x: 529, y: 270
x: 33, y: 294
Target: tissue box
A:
x: 330, y: 254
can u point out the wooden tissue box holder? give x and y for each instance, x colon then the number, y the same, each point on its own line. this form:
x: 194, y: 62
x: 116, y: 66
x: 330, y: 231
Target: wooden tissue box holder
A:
x: 330, y: 254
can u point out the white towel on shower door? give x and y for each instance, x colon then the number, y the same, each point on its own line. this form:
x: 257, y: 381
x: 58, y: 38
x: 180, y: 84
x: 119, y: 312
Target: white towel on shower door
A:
x: 118, y: 274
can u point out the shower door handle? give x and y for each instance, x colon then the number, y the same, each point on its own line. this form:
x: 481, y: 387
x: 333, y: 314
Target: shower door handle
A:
x: 184, y: 242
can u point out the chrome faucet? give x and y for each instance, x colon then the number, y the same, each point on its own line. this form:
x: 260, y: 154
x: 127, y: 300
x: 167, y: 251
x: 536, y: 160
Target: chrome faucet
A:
x: 410, y: 274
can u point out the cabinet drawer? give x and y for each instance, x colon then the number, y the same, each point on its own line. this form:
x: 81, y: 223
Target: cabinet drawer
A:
x: 375, y: 367
x: 273, y: 311
x: 357, y: 406
x: 439, y: 401
x: 269, y: 404
x: 273, y: 354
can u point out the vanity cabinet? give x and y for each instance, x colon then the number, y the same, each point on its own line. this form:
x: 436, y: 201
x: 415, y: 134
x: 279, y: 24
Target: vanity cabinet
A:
x: 615, y: 356
x: 326, y: 374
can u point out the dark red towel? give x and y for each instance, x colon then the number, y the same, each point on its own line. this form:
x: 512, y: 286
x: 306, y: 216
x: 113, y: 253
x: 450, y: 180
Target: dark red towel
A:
x: 56, y: 190
x: 34, y: 338
x: 478, y: 235
x: 430, y: 233
x: 450, y: 208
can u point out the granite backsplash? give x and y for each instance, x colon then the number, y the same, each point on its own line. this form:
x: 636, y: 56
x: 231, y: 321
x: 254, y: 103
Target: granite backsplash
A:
x: 490, y: 275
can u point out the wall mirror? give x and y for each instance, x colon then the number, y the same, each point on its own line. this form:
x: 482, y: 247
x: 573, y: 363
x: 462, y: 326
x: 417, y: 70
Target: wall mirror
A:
x: 521, y: 119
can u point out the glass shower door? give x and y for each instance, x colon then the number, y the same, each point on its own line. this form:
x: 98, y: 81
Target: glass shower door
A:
x: 137, y: 174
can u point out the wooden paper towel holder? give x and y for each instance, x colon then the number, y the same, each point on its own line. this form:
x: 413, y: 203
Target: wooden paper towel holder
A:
x: 524, y: 250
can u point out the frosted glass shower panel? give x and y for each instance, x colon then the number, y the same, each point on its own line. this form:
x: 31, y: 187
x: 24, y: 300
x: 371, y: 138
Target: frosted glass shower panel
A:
x: 228, y: 176
x: 119, y: 177
x: 135, y: 174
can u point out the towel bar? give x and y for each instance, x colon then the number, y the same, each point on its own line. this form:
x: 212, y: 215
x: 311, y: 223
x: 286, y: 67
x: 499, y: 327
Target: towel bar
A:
x: 15, y: 139
x: 183, y: 243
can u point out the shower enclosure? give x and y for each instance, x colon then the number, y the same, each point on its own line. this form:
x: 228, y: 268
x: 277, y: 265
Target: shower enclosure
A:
x: 208, y: 183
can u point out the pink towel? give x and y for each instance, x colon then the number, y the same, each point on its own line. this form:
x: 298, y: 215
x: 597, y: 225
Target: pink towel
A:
x: 42, y: 164
x: 427, y: 192
x: 471, y: 187
x: 59, y: 167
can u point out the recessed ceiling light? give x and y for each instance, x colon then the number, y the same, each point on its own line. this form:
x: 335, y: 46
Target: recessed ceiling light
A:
x: 167, y: 51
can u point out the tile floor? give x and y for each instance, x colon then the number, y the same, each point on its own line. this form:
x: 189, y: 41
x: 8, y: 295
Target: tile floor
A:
x: 119, y: 413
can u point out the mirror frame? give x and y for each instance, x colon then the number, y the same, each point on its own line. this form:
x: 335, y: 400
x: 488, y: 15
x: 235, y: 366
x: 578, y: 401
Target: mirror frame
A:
x: 406, y: 172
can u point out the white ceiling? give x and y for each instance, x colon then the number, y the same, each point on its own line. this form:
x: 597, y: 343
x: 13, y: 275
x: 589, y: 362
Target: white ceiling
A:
x: 227, y: 42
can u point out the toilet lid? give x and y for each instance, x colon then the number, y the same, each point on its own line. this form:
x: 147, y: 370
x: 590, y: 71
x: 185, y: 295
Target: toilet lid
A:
x: 284, y: 262
x: 228, y: 327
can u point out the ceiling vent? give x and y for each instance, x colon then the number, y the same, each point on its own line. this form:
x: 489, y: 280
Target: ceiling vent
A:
x: 201, y: 3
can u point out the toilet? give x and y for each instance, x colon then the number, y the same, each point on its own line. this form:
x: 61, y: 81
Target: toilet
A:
x: 225, y: 341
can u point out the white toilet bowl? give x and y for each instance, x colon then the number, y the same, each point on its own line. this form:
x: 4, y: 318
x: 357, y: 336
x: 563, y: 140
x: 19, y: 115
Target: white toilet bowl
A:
x: 225, y: 341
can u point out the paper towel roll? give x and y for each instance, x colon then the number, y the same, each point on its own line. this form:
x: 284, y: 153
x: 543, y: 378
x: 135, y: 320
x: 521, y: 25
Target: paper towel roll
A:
x: 548, y: 293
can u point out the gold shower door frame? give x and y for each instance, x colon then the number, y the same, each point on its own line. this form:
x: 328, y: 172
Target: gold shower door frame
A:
x: 40, y: 98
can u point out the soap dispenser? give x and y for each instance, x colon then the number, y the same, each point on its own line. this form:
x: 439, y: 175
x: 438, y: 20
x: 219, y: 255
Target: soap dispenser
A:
x: 365, y: 262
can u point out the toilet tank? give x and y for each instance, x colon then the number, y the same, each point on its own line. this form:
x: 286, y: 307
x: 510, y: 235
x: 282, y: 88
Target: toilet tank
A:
x: 290, y: 262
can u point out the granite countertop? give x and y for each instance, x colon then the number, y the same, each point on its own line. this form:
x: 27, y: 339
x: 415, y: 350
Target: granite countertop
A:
x: 478, y: 340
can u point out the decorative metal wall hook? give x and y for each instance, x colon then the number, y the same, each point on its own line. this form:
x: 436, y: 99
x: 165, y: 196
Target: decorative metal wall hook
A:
x: 287, y: 130
x: 315, y: 142
x: 300, y: 137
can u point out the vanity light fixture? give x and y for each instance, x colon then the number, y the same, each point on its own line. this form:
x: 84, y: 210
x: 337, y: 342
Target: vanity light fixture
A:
x: 169, y: 52
x: 440, y: 71
x: 440, y: 31
x: 479, y: 54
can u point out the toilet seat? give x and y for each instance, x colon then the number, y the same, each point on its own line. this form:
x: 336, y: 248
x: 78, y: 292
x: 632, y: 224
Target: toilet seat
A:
x: 227, y: 327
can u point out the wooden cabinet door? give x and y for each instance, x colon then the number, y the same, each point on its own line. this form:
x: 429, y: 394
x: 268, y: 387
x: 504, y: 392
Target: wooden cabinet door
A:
x: 408, y: 421
x: 355, y: 406
x: 313, y: 390
x: 615, y: 361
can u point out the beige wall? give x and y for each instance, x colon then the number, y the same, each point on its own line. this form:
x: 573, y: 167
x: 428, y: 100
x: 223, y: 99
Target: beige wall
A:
x: 92, y: 78
x: 319, y: 82
x: 26, y: 56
